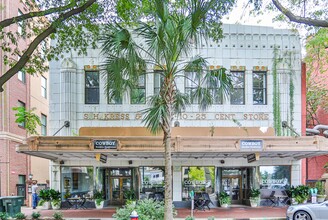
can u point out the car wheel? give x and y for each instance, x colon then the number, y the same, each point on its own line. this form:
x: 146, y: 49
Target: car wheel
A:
x: 302, y: 215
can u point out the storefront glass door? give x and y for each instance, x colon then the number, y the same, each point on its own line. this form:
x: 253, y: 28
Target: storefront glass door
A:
x: 118, y: 187
x: 232, y: 186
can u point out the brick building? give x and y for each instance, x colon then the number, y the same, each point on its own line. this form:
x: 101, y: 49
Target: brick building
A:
x: 21, y: 90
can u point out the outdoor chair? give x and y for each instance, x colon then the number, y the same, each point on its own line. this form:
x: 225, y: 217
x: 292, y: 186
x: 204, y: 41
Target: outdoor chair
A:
x: 207, y: 200
x: 272, y: 198
x: 199, y: 202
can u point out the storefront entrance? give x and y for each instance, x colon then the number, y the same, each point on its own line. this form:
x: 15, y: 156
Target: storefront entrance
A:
x: 232, y: 186
x: 120, y: 185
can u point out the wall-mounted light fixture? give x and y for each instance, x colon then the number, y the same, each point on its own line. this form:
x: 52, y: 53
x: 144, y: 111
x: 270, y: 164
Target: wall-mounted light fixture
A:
x: 30, y: 176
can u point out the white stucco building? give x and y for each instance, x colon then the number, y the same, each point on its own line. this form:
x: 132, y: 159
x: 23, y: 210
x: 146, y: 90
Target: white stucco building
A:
x: 251, y: 139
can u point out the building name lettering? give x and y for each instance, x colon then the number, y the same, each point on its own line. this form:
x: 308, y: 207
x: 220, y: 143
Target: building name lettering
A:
x: 119, y: 116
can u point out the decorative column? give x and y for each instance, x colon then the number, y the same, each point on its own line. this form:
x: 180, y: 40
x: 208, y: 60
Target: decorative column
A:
x: 68, y: 97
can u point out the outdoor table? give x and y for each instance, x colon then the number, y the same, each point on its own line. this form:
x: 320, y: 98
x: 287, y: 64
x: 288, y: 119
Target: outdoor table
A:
x: 280, y: 200
x: 76, y: 202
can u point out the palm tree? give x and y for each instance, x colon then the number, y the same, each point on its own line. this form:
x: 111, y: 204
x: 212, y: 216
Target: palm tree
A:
x: 162, y: 44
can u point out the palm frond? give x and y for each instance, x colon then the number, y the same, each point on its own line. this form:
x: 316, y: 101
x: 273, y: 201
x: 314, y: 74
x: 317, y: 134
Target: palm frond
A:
x: 153, y: 116
x: 123, y: 63
x: 220, y: 80
x: 180, y: 102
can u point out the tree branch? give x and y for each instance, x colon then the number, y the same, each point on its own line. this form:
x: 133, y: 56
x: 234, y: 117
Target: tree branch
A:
x: 299, y: 19
x: 51, y: 29
x: 32, y: 14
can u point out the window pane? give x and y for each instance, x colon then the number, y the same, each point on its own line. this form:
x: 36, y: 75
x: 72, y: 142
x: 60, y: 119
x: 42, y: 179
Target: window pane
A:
x: 275, y: 177
x: 152, y: 182
x: 76, y: 181
x: 237, y: 96
x: 43, y: 125
x: 138, y: 95
x: 259, y: 88
x: 198, y: 179
x: 92, y: 87
x: 21, y: 76
x: 43, y: 87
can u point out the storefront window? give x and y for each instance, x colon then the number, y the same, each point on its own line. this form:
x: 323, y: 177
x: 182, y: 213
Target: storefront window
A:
x: 198, y: 179
x: 76, y: 181
x: 275, y: 177
x: 152, y: 182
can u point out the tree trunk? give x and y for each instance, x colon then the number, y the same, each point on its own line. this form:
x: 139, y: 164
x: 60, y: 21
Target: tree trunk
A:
x: 168, y: 208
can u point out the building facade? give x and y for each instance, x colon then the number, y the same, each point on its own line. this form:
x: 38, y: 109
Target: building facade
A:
x: 21, y: 90
x: 251, y: 139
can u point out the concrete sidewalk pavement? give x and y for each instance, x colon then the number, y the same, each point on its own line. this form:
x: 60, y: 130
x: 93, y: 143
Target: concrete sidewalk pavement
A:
x: 232, y: 213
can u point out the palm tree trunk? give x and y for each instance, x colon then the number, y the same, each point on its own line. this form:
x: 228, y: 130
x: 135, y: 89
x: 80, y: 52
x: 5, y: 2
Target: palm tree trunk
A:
x: 168, y: 209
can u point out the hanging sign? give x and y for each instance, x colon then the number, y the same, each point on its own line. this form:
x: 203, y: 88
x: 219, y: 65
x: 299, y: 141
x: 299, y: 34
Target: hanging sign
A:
x: 253, y: 157
x: 101, y: 157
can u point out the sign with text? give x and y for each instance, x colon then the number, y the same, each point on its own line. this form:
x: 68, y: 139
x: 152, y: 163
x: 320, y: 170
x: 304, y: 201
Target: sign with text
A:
x: 253, y: 157
x: 105, y: 144
x: 101, y: 157
x: 251, y: 145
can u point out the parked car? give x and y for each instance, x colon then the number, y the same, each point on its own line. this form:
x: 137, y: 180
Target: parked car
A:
x: 308, y: 211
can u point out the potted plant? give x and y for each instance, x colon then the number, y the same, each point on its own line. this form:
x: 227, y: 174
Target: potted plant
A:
x: 45, y: 198
x: 224, y: 199
x: 130, y: 196
x: 55, y: 196
x: 301, y: 194
x: 254, y: 197
x: 321, y: 196
x: 99, y: 200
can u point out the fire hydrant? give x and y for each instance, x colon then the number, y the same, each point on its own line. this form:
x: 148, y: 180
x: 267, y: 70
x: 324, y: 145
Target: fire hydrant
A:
x: 134, y: 215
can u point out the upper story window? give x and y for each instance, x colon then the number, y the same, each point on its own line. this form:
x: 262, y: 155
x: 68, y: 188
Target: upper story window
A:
x: 237, y: 96
x: 44, y: 86
x: 259, y: 88
x: 21, y: 104
x: 138, y: 95
x: 91, y: 87
x: 21, y: 25
x: 213, y: 85
x: 21, y: 75
x: 191, y: 82
x: 43, y: 125
x: 158, y: 81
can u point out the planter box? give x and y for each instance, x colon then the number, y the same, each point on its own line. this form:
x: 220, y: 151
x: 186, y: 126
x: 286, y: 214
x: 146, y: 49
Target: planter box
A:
x: 46, y: 205
x: 254, y: 201
x: 99, y: 206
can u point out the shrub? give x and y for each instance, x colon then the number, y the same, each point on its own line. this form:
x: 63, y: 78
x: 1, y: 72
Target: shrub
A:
x: 147, y: 209
x: 224, y: 198
x: 3, y: 216
x: 98, y: 197
x: 58, y: 215
x: 211, y: 218
x: 254, y: 192
x: 320, y: 187
x: 35, y: 215
x: 190, y: 218
x: 20, y: 216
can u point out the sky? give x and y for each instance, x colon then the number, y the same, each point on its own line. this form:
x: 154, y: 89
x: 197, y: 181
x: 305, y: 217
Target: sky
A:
x: 241, y: 15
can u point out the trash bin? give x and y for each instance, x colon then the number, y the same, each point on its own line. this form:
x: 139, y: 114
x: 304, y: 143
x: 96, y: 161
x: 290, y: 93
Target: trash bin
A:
x: 12, y: 204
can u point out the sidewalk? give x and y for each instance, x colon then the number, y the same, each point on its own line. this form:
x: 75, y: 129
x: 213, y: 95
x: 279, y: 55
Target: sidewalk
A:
x: 240, y: 213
